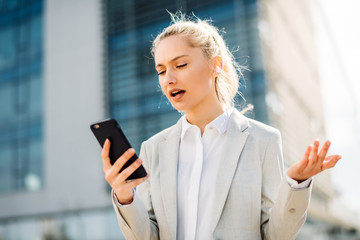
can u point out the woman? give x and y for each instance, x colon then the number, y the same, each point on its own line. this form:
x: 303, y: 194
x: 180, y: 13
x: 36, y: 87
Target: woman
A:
x: 215, y: 174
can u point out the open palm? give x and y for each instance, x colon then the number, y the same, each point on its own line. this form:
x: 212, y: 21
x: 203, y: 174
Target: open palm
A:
x: 313, y: 162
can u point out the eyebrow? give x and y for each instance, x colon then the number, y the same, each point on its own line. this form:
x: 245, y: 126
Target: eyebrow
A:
x: 172, y: 60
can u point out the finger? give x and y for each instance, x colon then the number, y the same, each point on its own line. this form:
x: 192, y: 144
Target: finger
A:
x: 136, y: 182
x: 330, y: 162
x: 120, y: 162
x: 324, y: 150
x: 130, y: 169
x: 105, y: 155
x: 314, y: 153
x: 305, y: 159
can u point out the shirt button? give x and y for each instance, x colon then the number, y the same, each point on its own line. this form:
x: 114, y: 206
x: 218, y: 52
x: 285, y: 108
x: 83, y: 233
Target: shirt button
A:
x: 292, y: 210
x: 211, y: 128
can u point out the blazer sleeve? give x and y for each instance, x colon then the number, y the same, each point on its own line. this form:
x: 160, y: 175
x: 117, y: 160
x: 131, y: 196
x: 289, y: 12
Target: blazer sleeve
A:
x: 283, y: 209
x: 137, y: 220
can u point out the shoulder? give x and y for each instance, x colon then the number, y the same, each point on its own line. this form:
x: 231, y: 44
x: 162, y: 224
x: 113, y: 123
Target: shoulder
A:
x: 262, y: 141
x: 262, y: 129
x: 267, y: 138
x: 161, y: 136
x: 254, y: 127
x: 150, y: 149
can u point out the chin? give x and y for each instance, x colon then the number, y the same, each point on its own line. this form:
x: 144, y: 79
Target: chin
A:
x: 179, y: 107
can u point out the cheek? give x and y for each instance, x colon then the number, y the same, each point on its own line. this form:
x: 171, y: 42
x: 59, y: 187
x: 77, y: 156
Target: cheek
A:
x: 205, y: 78
x: 162, y: 85
x: 199, y: 75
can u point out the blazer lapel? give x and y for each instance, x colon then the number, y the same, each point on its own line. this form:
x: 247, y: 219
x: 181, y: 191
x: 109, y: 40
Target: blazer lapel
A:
x: 168, y: 162
x: 234, y: 143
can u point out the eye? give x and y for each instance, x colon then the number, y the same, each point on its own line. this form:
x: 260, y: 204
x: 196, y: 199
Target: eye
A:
x: 181, y: 66
x: 161, y: 72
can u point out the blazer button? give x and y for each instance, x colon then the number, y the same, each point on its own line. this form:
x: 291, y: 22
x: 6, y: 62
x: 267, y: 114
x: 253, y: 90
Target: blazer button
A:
x: 292, y: 210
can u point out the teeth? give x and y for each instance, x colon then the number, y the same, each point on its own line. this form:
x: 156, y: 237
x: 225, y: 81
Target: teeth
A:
x: 176, y: 92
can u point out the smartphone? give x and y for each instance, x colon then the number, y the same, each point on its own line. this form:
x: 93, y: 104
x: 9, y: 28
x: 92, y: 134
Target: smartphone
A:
x: 110, y: 129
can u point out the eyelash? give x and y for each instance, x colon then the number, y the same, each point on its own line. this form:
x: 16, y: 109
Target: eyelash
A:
x: 179, y: 66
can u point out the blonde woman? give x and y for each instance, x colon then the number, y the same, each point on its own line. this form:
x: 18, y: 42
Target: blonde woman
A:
x: 215, y: 174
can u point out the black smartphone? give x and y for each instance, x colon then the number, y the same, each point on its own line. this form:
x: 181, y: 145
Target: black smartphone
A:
x: 110, y: 129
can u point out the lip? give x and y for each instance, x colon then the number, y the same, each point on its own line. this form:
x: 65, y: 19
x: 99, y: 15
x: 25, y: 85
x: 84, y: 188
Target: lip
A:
x: 177, y: 96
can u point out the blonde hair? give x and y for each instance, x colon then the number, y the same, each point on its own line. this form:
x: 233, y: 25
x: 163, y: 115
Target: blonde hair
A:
x: 201, y: 34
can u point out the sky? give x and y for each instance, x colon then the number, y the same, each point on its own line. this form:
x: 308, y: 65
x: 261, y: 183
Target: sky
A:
x: 337, y: 35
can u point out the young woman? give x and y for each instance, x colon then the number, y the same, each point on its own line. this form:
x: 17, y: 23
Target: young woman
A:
x: 215, y: 174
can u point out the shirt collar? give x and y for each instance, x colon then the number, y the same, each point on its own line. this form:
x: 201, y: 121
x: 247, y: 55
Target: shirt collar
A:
x: 220, y: 123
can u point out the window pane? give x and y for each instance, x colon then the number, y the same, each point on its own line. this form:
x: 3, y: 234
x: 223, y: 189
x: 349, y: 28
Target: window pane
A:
x: 6, y: 103
x: 33, y: 175
x: 21, y: 95
x: 35, y: 44
x: 35, y: 98
x: 7, y: 49
x: 6, y: 170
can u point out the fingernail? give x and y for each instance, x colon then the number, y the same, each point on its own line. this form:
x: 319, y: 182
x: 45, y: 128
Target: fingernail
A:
x: 138, y: 161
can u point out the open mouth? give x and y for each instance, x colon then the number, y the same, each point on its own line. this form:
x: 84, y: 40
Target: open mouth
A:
x: 174, y: 93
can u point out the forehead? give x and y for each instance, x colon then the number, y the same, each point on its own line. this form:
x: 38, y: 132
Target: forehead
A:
x: 173, y: 46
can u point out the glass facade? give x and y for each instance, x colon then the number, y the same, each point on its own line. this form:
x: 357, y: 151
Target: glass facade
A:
x: 97, y: 224
x: 135, y: 98
x: 21, y: 44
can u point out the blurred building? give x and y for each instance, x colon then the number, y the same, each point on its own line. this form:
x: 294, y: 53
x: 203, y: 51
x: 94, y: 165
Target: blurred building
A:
x: 66, y: 64
x: 294, y: 105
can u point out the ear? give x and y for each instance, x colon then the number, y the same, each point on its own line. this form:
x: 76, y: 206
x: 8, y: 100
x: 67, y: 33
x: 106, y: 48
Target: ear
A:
x: 217, y: 65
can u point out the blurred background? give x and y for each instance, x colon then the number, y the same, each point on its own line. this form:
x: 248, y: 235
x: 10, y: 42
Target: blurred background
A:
x: 66, y: 64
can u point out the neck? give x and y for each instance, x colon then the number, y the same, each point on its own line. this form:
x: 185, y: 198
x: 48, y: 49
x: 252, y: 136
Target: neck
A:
x: 204, y: 115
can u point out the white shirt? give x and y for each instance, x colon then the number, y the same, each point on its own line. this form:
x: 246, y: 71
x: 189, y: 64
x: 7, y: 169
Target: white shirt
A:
x: 199, y: 159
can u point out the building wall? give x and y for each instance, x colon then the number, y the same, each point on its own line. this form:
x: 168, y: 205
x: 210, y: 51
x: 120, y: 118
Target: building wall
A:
x: 73, y: 200
x: 21, y: 115
x: 294, y: 97
x: 73, y: 99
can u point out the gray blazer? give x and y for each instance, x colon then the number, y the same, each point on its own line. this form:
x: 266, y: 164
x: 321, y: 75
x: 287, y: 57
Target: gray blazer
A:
x: 253, y: 200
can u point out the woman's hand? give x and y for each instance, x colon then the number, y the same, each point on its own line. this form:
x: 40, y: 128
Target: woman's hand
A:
x: 313, y: 162
x: 121, y: 187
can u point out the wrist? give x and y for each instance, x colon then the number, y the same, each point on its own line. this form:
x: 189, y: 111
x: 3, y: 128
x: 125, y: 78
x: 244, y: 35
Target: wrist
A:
x: 296, y: 177
x: 125, y: 200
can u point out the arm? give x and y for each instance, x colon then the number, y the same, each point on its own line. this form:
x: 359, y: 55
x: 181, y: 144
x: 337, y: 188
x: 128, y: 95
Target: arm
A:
x: 137, y: 220
x: 283, y: 208
x: 288, y: 213
x: 136, y: 217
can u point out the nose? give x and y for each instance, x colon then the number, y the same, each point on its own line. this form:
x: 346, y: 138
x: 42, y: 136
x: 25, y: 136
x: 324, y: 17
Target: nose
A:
x: 169, y: 77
